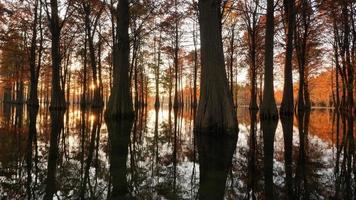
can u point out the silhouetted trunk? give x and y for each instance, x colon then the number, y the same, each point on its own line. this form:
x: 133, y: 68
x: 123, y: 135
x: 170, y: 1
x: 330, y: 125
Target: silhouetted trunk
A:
x: 120, y: 101
x: 337, y: 67
x: 83, y: 101
x: 57, y: 97
x: 232, y: 51
x: 216, y: 111
x: 97, y: 101
x: 250, y: 19
x: 195, y: 101
x: 34, y: 71
x: 268, y: 107
x: 307, y: 95
x: 350, y: 67
x: 301, y: 37
x: 157, y: 70
x: 176, y: 51
x: 287, y: 105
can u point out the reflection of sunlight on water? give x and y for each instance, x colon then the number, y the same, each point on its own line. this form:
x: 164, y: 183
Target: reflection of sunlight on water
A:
x: 150, y: 157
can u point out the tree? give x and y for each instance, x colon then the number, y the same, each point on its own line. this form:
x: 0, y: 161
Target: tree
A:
x: 216, y: 108
x: 252, y: 23
x: 120, y: 101
x: 287, y: 106
x: 268, y: 107
x: 92, y: 11
x: 55, y: 26
x: 35, y: 68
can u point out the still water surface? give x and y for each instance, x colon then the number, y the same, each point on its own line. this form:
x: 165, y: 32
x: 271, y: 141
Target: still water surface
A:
x: 77, y: 155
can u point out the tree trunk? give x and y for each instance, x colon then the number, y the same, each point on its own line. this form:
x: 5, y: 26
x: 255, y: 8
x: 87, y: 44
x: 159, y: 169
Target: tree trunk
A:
x: 33, y: 100
x: 232, y: 50
x: 176, y: 64
x: 120, y: 101
x: 57, y: 94
x: 268, y: 107
x: 157, y: 102
x: 195, y: 68
x: 216, y: 108
x: 287, y: 105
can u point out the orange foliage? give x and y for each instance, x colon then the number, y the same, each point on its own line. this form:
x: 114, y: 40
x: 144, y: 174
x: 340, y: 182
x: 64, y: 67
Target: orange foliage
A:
x: 319, y: 87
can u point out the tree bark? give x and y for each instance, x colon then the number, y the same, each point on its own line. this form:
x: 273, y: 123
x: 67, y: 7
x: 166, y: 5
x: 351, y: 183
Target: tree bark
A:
x: 268, y: 107
x: 287, y: 105
x: 216, y: 108
x: 120, y: 101
x: 33, y: 100
x: 57, y: 94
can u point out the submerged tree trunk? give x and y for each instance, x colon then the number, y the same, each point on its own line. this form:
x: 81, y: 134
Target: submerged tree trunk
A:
x: 287, y: 105
x: 120, y: 101
x: 216, y: 108
x: 268, y: 107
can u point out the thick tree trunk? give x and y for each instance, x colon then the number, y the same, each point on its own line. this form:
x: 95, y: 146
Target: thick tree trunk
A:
x: 120, y: 101
x: 287, y: 105
x: 57, y: 97
x: 216, y: 108
x: 268, y: 107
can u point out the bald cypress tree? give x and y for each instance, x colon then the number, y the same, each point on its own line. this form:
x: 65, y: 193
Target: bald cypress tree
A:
x: 287, y: 106
x: 120, y: 101
x: 216, y: 109
x: 268, y: 107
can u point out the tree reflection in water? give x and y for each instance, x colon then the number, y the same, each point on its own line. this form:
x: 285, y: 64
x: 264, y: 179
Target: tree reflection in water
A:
x: 215, y: 153
x: 268, y: 130
x: 119, y: 138
x: 75, y: 155
x: 53, y: 155
x: 287, y: 125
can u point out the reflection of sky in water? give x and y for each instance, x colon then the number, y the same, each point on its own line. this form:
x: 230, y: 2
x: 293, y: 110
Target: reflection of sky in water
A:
x: 151, y: 169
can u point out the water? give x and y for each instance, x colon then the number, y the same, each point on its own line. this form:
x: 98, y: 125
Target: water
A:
x: 77, y: 155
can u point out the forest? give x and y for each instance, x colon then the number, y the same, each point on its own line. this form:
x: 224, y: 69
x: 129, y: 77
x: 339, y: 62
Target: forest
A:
x: 283, y: 64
